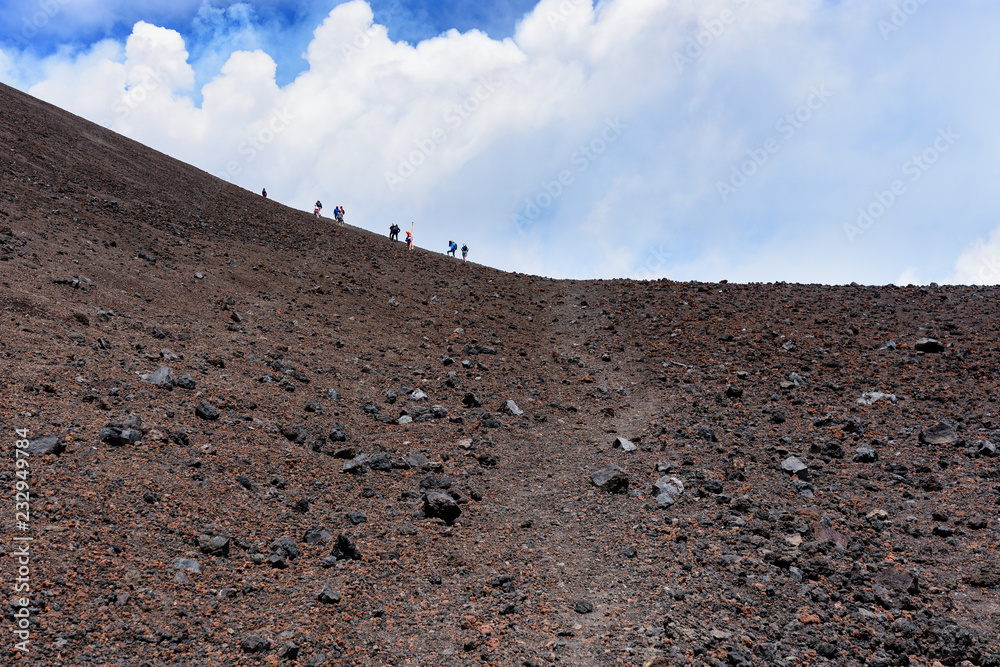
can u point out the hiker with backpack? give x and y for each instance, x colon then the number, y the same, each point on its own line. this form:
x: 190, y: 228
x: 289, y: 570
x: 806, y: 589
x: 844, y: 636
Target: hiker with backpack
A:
x: 394, y: 232
x: 465, y: 252
x: 409, y: 240
x: 338, y: 215
x: 317, y: 208
x: 452, y: 247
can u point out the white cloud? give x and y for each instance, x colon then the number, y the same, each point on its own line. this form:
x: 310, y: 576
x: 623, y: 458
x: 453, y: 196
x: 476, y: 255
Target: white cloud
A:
x: 505, y: 143
x: 980, y: 263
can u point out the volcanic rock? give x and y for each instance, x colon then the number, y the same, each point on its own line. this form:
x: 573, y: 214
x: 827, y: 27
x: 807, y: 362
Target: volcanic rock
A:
x: 610, y: 479
x: 939, y: 434
x: 441, y: 506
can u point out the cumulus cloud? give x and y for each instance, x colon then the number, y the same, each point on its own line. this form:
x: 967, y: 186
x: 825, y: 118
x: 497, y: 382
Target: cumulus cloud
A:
x: 980, y: 263
x: 689, y: 139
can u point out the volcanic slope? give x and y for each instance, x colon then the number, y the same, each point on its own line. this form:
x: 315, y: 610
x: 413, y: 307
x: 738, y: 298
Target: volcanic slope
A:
x: 286, y: 490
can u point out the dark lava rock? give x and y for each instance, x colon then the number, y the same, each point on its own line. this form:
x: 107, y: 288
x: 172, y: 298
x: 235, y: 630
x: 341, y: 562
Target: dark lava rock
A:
x: 987, y: 577
x: 254, y: 644
x: 942, y: 433
x: 824, y: 533
x: 712, y: 486
x: 928, y: 345
x: 827, y: 650
x: 442, y: 506
x: 296, y: 434
x: 289, y: 651
x: 185, y: 382
x: 180, y: 438
x: 417, y: 460
x: 611, y: 479
x: 899, y: 580
x: 583, y: 607
x: 436, y: 482
x: 707, y: 434
x: 380, y: 462
x: 207, y: 411
x: 329, y: 595
x: 119, y: 437
x: 285, y: 547
x: 245, y: 482
x: 978, y: 522
x: 317, y: 535
x: 49, y: 444
x: 943, y: 530
x: 214, y: 545
x: 345, y: 549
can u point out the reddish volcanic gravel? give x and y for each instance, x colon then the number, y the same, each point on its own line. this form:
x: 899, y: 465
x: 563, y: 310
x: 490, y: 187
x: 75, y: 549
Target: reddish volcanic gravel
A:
x: 258, y: 438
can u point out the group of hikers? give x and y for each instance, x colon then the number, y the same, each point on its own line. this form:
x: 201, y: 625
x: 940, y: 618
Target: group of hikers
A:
x: 338, y: 215
x: 452, y: 246
x: 338, y: 212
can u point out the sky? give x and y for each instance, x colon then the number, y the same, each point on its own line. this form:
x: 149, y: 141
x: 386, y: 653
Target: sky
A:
x: 811, y: 141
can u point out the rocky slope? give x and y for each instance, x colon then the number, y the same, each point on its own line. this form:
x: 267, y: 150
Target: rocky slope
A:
x: 259, y: 438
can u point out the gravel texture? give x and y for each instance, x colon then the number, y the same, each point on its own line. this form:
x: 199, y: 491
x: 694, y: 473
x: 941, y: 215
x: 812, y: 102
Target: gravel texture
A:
x: 362, y: 456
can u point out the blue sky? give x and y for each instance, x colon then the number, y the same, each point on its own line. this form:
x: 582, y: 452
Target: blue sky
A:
x: 751, y: 140
x: 283, y: 29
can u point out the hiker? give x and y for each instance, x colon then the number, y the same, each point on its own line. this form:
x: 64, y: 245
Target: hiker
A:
x: 409, y: 240
x: 263, y: 193
x: 452, y: 247
x: 317, y: 208
x: 465, y: 251
x: 394, y: 232
x: 338, y: 214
